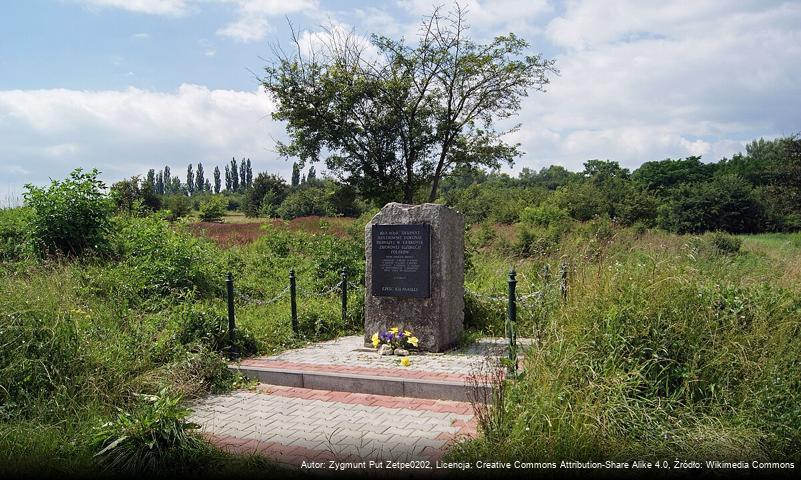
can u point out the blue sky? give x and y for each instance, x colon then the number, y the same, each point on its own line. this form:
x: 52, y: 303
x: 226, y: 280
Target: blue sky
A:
x: 127, y: 85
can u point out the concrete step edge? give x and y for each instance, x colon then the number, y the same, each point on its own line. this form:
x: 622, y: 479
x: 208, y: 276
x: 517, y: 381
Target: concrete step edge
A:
x: 356, y: 383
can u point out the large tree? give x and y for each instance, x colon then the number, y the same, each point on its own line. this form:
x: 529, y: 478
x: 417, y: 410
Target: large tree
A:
x: 200, y: 178
x: 400, y: 120
x: 217, y: 180
x: 190, y: 180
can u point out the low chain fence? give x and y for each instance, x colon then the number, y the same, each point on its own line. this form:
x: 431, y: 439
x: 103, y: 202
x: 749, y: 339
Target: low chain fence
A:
x: 511, y: 299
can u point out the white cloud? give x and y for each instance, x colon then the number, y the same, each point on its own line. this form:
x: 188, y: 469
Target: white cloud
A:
x: 252, y: 22
x: 500, y: 16
x: 246, y: 29
x: 643, y: 81
x: 140, y: 36
x: 152, y: 7
x: 47, y: 133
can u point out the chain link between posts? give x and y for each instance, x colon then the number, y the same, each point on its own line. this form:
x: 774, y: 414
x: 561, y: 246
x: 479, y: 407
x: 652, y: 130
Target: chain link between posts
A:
x: 256, y: 301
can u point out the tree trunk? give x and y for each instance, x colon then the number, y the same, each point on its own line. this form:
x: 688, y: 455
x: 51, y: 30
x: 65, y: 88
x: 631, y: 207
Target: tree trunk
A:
x: 438, y: 172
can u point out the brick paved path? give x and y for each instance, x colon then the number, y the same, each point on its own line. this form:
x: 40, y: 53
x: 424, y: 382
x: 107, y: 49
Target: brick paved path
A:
x: 292, y: 425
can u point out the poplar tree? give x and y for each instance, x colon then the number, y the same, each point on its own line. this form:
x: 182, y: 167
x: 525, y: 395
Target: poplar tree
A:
x: 243, y: 176
x: 295, y: 174
x: 228, y: 184
x: 234, y: 176
x: 200, y: 180
x: 190, y: 180
x: 249, y: 174
x: 167, y: 180
x: 217, y: 181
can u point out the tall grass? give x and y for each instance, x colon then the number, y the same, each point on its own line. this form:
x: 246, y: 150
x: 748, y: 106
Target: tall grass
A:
x: 82, y: 340
x: 666, y: 346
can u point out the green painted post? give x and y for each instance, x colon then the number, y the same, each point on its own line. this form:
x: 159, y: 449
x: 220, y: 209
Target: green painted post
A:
x: 344, y: 289
x: 511, y: 318
x: 229, y: 286
x: 293, y: 301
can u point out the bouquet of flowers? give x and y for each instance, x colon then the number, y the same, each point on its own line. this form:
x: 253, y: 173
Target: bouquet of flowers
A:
x: 395, y: 338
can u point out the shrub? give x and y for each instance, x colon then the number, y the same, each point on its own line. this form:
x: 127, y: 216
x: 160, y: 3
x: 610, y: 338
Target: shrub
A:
x: 267, y: 192
x: 209, y: 327
x: 213, y: 209
x: 178, y: 205
x: 154, y: 435
x: 13, y: 232
x: 543, y: 215
x: 70, y: 216
x: 157, y: 259
x: 304, y: 202
x: 724, y: 243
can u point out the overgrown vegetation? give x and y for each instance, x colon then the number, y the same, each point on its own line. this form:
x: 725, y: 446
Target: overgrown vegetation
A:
x: 666, y: 347
x: 97, y: 345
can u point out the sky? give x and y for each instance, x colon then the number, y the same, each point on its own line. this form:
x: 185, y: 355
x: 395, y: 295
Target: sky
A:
x: 129, y: 85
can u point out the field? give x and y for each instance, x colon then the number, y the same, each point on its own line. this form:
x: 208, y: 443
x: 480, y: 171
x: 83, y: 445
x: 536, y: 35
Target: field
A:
x: 665, y: 345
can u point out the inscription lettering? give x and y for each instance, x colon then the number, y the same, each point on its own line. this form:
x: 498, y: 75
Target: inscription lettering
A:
x: 401, y: 260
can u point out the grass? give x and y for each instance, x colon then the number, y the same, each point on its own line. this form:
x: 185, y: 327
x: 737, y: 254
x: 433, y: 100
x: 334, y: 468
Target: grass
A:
x: 83, y: 340
x: 664, y: 347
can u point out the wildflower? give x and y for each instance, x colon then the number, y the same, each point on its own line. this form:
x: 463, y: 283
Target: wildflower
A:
x: 405, y: 361
x: 375, y: 340
x: 413, y: 341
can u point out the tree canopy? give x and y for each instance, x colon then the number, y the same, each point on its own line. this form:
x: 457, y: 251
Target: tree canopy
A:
x: 392, y: 118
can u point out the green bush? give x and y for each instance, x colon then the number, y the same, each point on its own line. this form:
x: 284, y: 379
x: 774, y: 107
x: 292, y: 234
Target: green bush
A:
x: 178, y: 206
x: 543, y: 215
x: 724, y: 243
x: 13, y: 232
x: 157, y: 259
x: 146, y: 440
x: 209, y: 327
x: 213, y: 209
x: 304, y: 202
x: 70, y: 216
x: 267, y: 192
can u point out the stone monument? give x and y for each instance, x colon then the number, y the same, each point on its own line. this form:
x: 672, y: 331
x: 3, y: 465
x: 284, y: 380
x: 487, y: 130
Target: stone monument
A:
x: 415, y: 273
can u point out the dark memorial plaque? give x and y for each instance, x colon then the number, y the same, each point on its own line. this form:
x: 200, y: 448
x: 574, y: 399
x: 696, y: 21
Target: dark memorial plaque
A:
x: 401, y: 260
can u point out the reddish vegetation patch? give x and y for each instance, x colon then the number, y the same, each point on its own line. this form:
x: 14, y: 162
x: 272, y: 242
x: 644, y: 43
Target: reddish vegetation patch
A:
x: 334, y: 225
x: 228, y: 234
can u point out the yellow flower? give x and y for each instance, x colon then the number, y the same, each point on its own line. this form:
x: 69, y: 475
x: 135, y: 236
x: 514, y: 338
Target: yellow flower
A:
x: 394, y: 329
x: 375, y: 340
x: 413, y: 341
x: 405, y: 361
x: 407, y: 333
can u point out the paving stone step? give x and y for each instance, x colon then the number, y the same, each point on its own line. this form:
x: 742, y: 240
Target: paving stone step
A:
x: 292, y: 425
x: 366, y: 380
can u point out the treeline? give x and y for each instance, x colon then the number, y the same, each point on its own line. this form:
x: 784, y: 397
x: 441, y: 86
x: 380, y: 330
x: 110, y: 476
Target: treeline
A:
x: 238, y: 177
x: 263, y: 195
x: 755, y: 191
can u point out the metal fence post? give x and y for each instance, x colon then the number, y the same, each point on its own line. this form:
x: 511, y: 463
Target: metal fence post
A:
x: 229, y: 284
x: 344, y: 289
x: 293, y: 301
x: 511, y: 318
